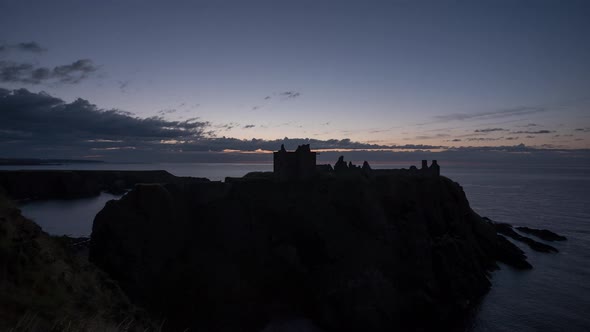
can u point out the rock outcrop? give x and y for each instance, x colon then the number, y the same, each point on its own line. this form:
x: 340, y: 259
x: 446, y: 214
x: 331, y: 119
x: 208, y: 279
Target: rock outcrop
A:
x: 508, y: 230
x: 543, y: 234
x: 347, y: 254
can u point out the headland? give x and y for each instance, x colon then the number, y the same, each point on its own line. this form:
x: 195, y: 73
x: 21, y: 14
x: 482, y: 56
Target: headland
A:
x: 346, y: 248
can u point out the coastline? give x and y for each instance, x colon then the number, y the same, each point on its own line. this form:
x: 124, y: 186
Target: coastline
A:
x: 502, y: 282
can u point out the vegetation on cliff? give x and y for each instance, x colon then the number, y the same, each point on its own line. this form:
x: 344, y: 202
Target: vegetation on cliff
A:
x: 46, y: 286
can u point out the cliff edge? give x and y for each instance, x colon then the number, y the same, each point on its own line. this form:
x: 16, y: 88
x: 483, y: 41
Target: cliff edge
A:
x: 70, y: 184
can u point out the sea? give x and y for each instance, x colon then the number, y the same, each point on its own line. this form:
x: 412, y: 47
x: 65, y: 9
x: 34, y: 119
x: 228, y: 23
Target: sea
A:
x: 553, y: 296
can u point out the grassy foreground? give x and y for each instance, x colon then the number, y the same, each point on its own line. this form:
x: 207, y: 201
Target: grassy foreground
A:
x: 47, y: 285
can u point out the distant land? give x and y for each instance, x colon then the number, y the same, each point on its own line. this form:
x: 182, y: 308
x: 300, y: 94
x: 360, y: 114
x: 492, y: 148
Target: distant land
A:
x: 42, y: 162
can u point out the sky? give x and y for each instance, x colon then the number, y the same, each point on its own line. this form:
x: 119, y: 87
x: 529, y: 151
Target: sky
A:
x: 187, y: 80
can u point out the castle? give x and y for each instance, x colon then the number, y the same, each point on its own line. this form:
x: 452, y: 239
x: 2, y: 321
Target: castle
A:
x: 434, y: 169
x: 301, y: 165
x: 297, y: 165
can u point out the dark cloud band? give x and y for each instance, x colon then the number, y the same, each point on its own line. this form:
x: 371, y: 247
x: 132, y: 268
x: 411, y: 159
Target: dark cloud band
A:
x: 42, y: 126
x: 32, y: 47
x: 27, y: 73
x: 517, y: 111
x: 39, y: 122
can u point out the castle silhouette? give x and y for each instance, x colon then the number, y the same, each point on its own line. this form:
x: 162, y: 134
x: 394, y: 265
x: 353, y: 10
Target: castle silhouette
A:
x: 297, y: 165
x: 301, y: 165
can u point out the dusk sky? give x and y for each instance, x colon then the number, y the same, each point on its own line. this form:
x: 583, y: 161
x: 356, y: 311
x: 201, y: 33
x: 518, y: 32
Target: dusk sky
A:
x: 178, y: 77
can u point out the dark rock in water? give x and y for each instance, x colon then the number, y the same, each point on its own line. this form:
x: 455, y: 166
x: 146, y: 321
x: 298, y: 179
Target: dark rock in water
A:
x: 543, y: 234
x: 506, y: 229
x: 351, y: 254
x: 512, y: 255
x: 538, y: 246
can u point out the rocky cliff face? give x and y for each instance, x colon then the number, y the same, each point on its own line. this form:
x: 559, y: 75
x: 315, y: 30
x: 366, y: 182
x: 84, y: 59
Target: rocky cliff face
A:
x: 348, y: 254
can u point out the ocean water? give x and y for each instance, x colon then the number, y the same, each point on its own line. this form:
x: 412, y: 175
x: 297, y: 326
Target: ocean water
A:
x: 66, y: 217
x: 554, y: 296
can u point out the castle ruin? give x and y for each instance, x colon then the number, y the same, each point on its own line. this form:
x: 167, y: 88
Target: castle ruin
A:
x: 297, y: 165
x: 434, y: 169
x: 301, y: 165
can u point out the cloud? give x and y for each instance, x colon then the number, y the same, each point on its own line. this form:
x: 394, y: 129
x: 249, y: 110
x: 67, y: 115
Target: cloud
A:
x: 44, y: 120
x: 223, y: 143
x: 489, y: 130
x: 585, y: 130
x: 376, y: 131
x: 430, y: 136
x: 481, y: 139
x: 249, y: 126
x: 32, y: 47
x: 289, y: 94
x: 228, y: 126
x: 534, y: 132
x: 75, y: 71
x: 12, y: 72
x: 511, y: 112
x: 123, y: 86
x: 42, y: 126
x: 283, y: 96
x: 165, y: 112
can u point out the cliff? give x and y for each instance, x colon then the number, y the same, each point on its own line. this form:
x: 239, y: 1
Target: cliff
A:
x: 46, y: 286
x: 350, y: 253
x: 62, y: 184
